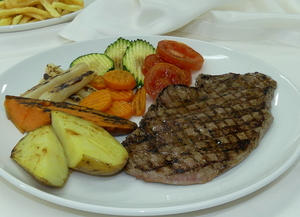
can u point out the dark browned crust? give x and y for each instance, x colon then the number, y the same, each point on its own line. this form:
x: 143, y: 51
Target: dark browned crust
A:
x: 193, y: 134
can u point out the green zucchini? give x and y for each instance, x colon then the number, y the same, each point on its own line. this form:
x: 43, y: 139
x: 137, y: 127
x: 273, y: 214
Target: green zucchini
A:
x: 97, y: 62
x: 116, y: 51
x: 134, y: 56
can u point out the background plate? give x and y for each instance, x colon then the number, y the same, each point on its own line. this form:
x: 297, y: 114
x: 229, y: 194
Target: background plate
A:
x: 43, y: 23
x: 124, y: 195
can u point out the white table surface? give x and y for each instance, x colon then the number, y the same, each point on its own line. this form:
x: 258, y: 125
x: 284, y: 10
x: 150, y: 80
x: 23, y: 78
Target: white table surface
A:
x: 281, y: 198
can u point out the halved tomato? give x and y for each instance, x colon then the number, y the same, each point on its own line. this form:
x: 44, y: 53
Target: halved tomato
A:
x: 188, y: 77
x: 150, y: 61
x: 179, y: 54
x: 153, y: 59
x: 162, y: 75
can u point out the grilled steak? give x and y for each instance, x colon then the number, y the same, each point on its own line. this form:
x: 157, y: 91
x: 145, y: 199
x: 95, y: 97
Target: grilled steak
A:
x: 193, y: 134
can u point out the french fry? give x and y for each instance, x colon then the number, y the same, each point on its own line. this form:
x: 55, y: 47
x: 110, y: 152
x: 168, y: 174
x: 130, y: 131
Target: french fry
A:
x: 33, y: 20
x: 14, y: 12
x: 26, y: 10
x: 16, y: 20
x: 25, y: 19
x: 66, y: 7
x: 40, y: 6
x: 67, y: 2
x: 65, y: 12
x: 37, y: 16
x: 20, y: 3
x: 60, y: 11
x: 77, y: 2
x: 49, y: 8
x: 5, y: 21
x: 2, y: 4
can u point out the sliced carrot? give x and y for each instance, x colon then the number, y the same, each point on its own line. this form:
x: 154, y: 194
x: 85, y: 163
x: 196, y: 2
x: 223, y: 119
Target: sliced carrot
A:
x: 98, y: 82
x: 139, y: 101
x: 119, y: 80
x: 120, y: 95
x: 121, y: 109
x: 100, y: 100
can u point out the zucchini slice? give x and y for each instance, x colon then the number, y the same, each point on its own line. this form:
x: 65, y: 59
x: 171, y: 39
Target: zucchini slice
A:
x: 134, y: 56
x: 116, y: 51
x: 97, y: 62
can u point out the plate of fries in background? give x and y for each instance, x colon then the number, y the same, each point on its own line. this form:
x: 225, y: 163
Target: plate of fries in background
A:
x: 19, y: 15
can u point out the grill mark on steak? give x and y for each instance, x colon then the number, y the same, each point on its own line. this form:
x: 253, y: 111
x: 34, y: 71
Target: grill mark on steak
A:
x: 193, y: 134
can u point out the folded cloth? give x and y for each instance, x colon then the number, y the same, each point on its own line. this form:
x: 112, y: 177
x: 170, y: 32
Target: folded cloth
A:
x: 135, y: 17
x: 276, y: 20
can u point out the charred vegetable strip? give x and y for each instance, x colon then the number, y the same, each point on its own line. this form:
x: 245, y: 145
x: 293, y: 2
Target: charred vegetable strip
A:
x: 28, y: 114
x: 36, y: 91
x: 62, y: 91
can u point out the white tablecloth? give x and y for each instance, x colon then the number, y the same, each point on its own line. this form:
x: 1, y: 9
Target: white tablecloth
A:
x: 281, y: 198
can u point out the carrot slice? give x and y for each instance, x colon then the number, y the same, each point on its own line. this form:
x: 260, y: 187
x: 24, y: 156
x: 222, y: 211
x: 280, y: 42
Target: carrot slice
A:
x: 100, y: 100
x: 119, y: 80
x: 121, y: 109
x: 120, y: 95
x: 139, y: 101
x: 98, y: 82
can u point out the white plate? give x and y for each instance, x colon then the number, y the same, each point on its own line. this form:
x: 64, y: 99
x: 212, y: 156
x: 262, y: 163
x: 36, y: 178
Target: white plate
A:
x: 124, y: 195
x: 43, y: 23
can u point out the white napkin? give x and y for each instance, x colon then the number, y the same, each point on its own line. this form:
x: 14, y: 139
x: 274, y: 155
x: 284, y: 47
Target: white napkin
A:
x: 135, y: 17
x: 276, y: 20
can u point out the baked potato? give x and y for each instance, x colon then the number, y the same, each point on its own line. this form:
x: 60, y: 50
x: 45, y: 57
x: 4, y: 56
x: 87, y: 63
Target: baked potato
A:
x: 88, y: 147
x: 42, y: 155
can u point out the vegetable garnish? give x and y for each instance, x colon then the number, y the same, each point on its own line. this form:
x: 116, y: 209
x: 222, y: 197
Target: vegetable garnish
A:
x: 121, y: 109
x: 139, y: 101
x: 162, y: 75
x: 98, y: 82
x: 134, y: 57
x: 98, y: 62
x: 100, y: 100
x: 120, y: 95
x: 28, y: 114
x: 119, y: 80
x: 150, y: 61
x: 179, y: 54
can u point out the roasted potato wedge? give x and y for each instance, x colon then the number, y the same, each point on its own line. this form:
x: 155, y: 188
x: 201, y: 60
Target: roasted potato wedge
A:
x: 42, y: 155
x: 89, y: 148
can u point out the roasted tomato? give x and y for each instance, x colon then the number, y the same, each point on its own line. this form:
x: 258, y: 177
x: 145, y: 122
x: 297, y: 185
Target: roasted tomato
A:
x: 150, y: 61
x: 162, y: 75
x: 180, y: 55
x: 188, y: 77
x: 153, y: 59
